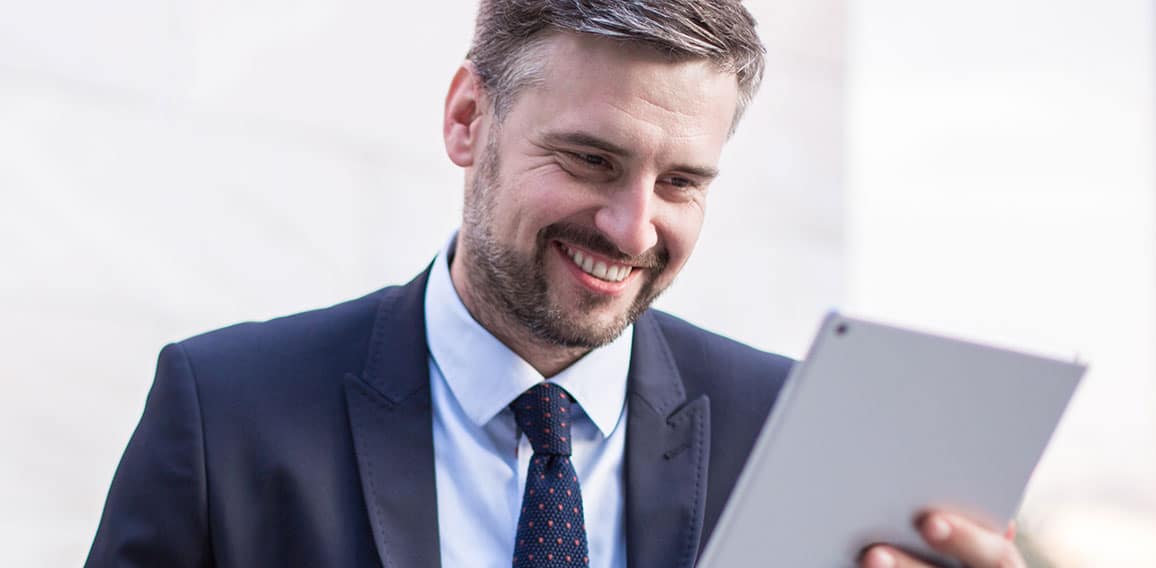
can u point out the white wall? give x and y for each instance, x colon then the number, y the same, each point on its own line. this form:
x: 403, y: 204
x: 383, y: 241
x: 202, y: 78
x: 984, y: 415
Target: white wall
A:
x: 1001, y: 186
x: 167, y: 168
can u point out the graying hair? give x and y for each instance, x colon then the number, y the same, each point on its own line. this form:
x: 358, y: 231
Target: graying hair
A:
x: 508, y: 32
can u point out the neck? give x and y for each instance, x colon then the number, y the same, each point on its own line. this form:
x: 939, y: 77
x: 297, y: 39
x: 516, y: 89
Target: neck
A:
x: 547, y: 358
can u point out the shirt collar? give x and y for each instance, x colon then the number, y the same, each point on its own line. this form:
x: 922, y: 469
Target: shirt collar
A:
x: 485, y: 376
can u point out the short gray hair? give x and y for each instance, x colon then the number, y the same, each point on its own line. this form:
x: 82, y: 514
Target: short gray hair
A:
x: 509, y: 31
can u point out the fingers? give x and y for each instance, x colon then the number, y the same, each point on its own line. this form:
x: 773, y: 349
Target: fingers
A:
x: 880, y: 557
x: 883, y: 556
x: 877, y: 557
x: 974, y: 545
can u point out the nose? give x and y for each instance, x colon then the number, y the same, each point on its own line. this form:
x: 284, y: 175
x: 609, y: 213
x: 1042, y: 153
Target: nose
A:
x: 627, y: 218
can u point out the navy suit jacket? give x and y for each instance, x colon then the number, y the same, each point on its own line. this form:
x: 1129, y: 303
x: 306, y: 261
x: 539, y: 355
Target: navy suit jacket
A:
x: 307, y: 441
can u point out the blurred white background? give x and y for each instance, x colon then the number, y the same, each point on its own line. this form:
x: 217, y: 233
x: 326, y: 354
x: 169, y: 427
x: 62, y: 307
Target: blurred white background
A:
x: 984, y: 169
x: 1002, y: 185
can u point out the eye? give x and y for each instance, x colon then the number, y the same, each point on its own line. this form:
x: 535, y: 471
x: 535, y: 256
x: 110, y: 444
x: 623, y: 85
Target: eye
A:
x: 682, y: 183
x: 681, y: 188
x: 593, y: 160
x: 586, y: 166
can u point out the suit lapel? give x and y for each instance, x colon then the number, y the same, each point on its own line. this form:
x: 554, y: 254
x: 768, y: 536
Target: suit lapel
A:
x: 392, y: 425
x: 667, y: 445
x: 667, y: 454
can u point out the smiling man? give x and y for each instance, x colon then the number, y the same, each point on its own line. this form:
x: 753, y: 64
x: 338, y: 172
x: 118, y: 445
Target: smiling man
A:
x: 518, y: 402
x: 586, y: 197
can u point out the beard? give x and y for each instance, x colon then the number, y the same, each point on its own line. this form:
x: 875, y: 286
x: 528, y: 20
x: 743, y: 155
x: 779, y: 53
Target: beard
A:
x: 512, y: 288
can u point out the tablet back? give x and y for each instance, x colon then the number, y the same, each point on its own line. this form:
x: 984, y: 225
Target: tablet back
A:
x: 877, y: 425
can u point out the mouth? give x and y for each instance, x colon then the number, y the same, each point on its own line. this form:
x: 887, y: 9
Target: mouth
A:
x: 598, y: 267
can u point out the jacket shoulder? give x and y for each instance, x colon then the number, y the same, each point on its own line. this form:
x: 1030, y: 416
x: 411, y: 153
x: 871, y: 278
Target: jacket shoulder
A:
x: 323, y: 341
x: 717, y: 365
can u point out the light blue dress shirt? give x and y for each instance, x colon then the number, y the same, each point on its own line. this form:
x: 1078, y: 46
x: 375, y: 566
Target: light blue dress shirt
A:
x: 481, y: 458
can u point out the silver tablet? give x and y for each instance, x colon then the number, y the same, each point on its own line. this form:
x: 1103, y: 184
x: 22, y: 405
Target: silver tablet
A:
x: 878, y: 424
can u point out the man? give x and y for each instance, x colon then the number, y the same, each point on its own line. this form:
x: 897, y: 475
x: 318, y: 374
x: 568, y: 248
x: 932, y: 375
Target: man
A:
x: 517, y: 402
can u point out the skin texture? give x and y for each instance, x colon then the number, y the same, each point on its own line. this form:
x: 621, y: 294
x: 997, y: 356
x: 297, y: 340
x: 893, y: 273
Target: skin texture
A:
x: 610, y: 153
x: 955, y: 536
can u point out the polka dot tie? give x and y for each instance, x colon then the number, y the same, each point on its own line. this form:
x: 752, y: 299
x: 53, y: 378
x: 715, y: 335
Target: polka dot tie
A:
x: 551, y: 529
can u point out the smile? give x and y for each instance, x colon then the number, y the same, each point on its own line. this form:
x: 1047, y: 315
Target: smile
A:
x: 609, y: 272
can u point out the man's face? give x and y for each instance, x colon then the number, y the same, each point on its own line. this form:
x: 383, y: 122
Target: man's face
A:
x: 588, y: 198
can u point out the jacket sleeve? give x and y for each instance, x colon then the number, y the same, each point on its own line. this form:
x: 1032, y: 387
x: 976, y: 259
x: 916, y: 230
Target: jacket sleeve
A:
x: 156, y: 511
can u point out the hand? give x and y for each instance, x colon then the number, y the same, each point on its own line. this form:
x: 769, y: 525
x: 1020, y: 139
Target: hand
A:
x: 954, y: 536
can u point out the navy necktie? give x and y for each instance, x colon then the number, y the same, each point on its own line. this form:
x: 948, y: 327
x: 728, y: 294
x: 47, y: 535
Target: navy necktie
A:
x: 551, y: 529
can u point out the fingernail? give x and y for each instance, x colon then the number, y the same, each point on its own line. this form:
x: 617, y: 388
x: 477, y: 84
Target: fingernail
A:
x: 937, y: 529
x: 880, y: 558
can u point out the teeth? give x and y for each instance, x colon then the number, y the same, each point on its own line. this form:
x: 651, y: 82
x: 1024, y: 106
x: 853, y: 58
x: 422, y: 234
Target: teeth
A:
x: 598, y: 269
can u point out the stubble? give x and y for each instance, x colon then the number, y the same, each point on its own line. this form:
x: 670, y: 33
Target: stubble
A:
x: 511, y: 289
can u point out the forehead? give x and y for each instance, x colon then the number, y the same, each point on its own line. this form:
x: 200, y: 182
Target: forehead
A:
x: 630, y: 92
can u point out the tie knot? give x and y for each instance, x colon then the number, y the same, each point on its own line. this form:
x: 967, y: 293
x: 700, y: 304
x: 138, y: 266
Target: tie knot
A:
x: 543, y: 413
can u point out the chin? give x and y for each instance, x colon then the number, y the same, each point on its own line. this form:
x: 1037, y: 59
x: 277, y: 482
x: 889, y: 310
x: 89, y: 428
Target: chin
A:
x: 584, y: 327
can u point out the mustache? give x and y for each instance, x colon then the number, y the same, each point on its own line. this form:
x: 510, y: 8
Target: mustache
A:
x: 654, y: 259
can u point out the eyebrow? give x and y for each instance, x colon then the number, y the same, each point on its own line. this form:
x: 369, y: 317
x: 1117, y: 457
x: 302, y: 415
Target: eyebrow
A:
x: 579, y: 138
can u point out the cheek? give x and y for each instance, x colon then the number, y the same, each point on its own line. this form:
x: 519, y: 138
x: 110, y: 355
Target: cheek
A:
x: 681, y: 230
x: 547, y: 195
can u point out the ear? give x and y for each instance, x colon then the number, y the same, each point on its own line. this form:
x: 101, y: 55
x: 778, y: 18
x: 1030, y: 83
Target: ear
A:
x: 464, y: 105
